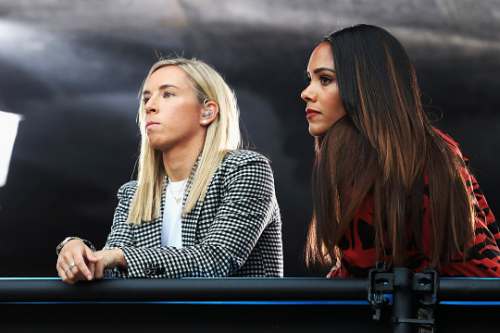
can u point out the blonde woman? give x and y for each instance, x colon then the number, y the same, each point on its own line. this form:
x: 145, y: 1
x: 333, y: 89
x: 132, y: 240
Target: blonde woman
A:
x: 200, y: 207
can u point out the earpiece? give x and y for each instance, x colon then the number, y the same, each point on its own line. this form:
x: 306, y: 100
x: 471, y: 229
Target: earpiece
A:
x: 207, y: 112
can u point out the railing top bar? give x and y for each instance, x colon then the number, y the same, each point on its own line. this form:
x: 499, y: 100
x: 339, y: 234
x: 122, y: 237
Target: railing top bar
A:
x: 236, y: 289
x: 21, y: 278
x: 225, y: 289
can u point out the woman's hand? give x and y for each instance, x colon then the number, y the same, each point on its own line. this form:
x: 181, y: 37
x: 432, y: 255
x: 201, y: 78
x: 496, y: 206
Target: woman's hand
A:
x: 76, y: 262
x: 108, y: 259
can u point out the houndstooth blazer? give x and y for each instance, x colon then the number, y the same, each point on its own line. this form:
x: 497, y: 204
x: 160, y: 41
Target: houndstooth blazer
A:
x: 235, y: 231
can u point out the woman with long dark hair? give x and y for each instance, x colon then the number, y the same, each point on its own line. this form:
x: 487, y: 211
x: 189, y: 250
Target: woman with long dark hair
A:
x: 387, y: 185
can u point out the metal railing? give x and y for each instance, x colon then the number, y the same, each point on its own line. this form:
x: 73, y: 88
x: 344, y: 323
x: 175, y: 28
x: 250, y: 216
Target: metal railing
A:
x: 414, y: 296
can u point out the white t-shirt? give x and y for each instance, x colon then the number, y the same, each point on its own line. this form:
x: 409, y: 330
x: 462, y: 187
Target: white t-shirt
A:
x: 171, y: 231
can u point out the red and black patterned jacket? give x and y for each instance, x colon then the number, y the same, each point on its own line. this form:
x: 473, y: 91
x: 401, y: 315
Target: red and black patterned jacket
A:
x: 483, y: 260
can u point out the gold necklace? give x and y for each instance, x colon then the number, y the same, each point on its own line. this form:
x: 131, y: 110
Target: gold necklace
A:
x: 178, y: 200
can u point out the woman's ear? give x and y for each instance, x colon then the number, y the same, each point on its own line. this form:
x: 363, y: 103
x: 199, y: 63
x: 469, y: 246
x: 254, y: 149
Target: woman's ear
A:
x: 209, y: 111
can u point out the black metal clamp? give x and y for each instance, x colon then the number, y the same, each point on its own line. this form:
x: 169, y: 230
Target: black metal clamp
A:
x: 407, y: 288
x: 379, y: 282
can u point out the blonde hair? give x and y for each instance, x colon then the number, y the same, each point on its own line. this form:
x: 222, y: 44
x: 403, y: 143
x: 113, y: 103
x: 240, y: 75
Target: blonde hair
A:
x: 223, y: 135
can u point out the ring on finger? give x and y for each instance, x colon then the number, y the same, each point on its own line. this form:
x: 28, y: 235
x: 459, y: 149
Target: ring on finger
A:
x: 70, y: 267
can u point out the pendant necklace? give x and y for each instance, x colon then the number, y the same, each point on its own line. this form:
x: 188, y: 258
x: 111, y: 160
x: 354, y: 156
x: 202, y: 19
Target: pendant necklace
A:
x: 178, y: 200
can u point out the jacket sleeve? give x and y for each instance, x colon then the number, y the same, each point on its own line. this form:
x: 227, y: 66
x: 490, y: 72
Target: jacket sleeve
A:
x: 484, y: 256
x: 247, y: 207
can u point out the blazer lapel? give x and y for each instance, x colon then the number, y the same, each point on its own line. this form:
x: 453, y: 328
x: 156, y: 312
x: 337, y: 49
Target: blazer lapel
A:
x: 190, y: 220
x: 189, y: 225
x: 158, y: 221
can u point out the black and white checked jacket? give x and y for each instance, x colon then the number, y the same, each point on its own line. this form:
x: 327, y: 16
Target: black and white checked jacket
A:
x: 235, y: 231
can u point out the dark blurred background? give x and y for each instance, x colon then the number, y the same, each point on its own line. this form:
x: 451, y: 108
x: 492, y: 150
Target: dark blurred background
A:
x: 73, y: 70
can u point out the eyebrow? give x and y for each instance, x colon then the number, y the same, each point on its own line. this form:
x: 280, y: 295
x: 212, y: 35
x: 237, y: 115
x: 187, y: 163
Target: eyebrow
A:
x: 317, y: 70
x: 163, y: 87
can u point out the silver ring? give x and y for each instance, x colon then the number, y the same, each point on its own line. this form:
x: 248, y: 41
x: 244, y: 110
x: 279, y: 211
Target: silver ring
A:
x: 70, y: 267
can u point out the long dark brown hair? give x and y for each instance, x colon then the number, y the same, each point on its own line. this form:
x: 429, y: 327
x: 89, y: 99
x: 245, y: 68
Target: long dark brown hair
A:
x: 381, y: 148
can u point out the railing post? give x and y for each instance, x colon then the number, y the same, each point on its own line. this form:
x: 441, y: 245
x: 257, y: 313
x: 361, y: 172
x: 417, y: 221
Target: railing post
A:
x: 408, y: 289
x: 403, y: 300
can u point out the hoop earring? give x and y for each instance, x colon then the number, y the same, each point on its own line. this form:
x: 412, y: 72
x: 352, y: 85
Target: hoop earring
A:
x: 207, y: 112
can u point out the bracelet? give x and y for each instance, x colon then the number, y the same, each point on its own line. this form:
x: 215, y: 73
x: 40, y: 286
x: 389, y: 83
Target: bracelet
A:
x: 66, y: 240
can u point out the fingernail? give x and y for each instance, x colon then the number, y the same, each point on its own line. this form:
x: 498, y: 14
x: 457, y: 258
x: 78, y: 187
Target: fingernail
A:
x: 89, y: 277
